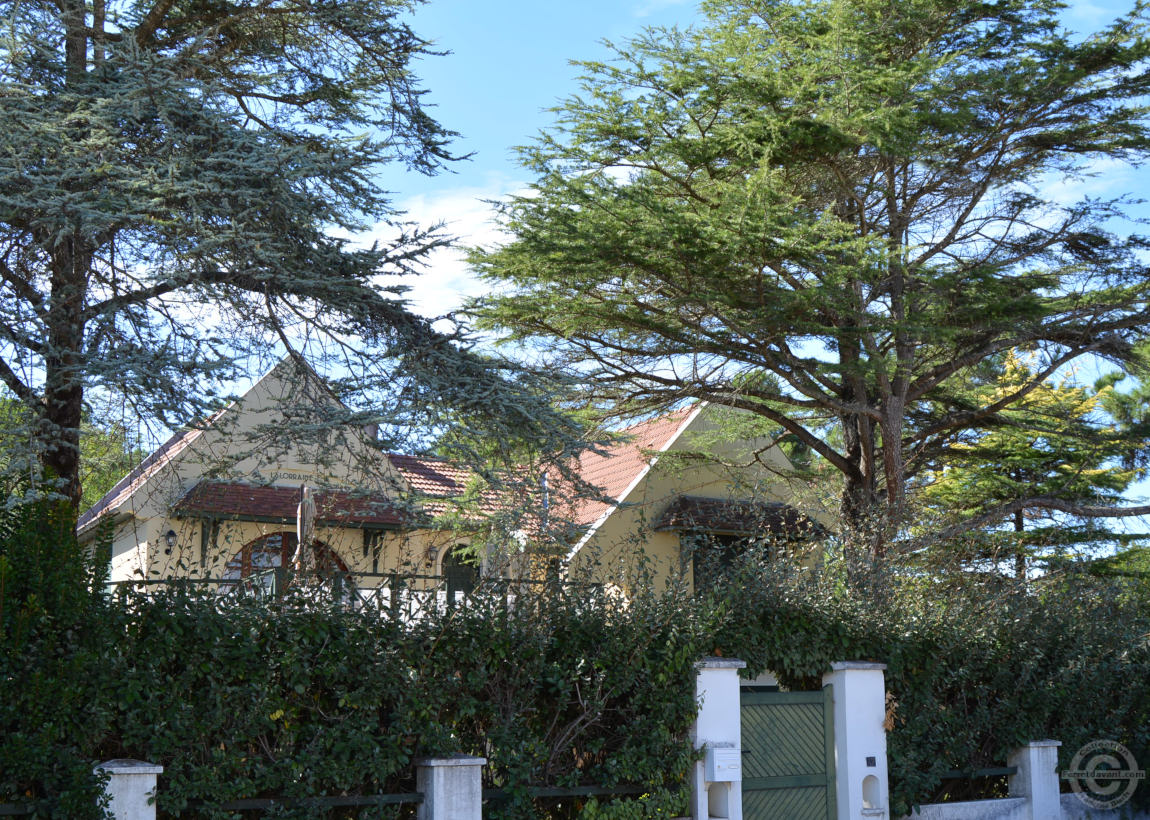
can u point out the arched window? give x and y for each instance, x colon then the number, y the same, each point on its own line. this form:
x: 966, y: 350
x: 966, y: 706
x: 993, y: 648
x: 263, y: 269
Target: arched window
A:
x: 460, y: 570
x: 258, y: 560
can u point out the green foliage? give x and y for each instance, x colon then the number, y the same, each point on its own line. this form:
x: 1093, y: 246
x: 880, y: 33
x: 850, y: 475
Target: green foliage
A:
x: 244, y: 700
x: 255, y: 698
x: 1055, y: 443
x: 174, y: 213
x: 659, y: 803
x: 57, y: 681
x: 976, y: 666
x: 827, y: 212
x: 248, y: 698
x: 108, y: 451
x: 574, y: 689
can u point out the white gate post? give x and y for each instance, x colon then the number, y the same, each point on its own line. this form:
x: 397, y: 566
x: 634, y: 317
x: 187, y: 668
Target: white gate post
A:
x: 1037, y: 779
x: 131, y: 788
x: 452, y: 787
x: 716, y: 784
x: 859, y: 697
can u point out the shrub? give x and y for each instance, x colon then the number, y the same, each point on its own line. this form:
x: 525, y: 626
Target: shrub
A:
x: 261, y: 698
x: 287, y: 697
x: 57, y: 685
x: 976, y: 666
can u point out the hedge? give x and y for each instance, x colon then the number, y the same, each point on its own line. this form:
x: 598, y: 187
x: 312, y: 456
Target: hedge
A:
x: 976, y: 665
x: 259, y: 698
x: 285, y: 698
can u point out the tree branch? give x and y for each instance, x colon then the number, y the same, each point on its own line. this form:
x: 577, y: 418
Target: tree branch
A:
x: 20, y: 285
x: 25, y: 393
x: 1000, y: 511
x: 146, y: 31
x: 970, y: 416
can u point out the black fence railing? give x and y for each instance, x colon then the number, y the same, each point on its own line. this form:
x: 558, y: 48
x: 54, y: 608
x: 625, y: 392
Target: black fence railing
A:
x: 321, y: 802
x: 538, y: 792
x: 405, y: 596
x: 960, y: 785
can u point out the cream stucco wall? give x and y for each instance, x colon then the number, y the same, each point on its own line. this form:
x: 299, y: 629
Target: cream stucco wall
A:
x: 623, y: 549
x: 203, y: 550
x: 194, y: 557
x: 274, y: 434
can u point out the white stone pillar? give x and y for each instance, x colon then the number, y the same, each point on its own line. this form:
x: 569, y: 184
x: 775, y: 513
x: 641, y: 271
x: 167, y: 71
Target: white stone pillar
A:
x: 1037, y: 779
x: 859, y: 696
x: 718, y: 732
x: 131, y: 788
x: 452, y: 787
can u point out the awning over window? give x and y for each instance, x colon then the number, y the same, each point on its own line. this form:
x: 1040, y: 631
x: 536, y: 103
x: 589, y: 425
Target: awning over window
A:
x: 692, y: 513
x: 249, y: 502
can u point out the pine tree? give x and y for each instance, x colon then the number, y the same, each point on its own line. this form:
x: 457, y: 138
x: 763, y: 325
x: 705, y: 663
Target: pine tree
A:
x: 108, y: 450
x: 844, y: 194
x: 174, y: 179
x: 1057, y: 442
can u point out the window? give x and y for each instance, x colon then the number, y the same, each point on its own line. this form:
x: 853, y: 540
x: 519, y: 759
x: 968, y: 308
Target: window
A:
x: 713, y: 555
x: 257, y: 561
x: 460, y: 570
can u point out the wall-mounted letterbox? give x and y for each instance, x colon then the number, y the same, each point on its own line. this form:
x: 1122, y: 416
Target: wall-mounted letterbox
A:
x: 722, y: 764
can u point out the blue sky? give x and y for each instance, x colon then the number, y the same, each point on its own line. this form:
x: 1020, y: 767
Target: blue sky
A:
x: 509, y: 63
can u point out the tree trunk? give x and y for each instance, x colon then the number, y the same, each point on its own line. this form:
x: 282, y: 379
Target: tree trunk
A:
x: 893, y: 466
x: 860, y: 498
x: 861, y: 509
x: 99, y: 18
x: 63, y: 387
x: 74, y: 14
x: 1019, y: 549
x: 71, y: 259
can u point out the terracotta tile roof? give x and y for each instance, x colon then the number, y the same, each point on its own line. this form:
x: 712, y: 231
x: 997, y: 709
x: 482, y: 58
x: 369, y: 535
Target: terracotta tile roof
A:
x: 617, y: 467
x: 431, y: 476
x: 612, y: 472
x: 160, y: 458
x: 227, y: 499
x: 735, y: 517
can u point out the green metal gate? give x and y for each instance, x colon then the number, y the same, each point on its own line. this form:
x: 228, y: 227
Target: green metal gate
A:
x: 788, y: 755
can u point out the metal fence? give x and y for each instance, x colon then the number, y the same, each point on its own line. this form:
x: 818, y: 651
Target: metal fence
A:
x: 404, y: 596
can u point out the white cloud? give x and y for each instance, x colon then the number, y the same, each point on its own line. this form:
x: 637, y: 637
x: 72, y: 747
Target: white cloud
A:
x: 1105, y: 177
x: 466, y: 214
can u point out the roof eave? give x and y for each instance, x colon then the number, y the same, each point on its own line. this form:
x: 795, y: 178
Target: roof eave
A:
x: 350, y: 524
x: 107, y: 518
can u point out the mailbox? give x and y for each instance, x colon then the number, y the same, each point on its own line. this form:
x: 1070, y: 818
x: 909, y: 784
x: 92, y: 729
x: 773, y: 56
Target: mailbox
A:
x: 722, y: 764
